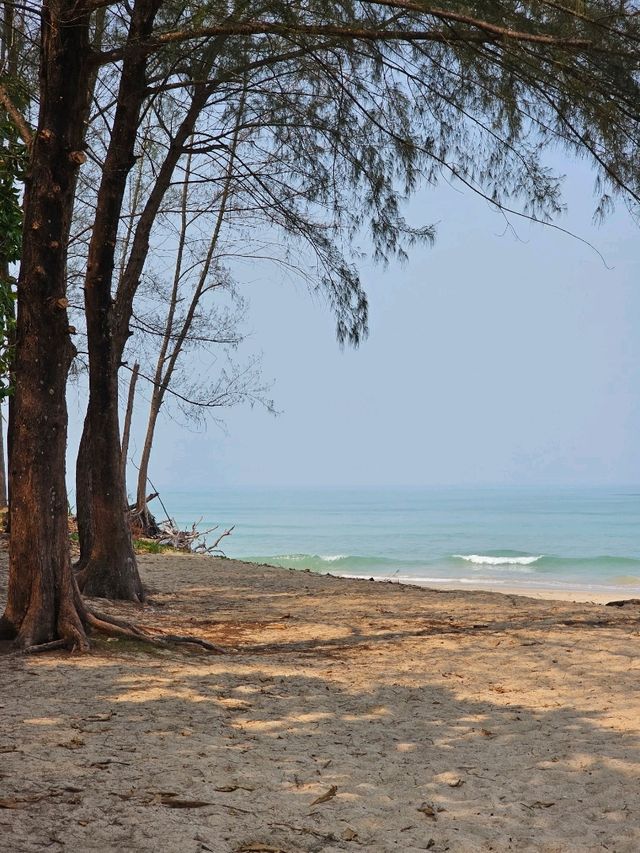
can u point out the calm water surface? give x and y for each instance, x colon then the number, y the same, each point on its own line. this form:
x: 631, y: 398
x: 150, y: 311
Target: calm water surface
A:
x: 528, y: 537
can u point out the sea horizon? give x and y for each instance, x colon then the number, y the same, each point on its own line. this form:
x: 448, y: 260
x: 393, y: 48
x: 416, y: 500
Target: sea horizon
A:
x: 522, y: 537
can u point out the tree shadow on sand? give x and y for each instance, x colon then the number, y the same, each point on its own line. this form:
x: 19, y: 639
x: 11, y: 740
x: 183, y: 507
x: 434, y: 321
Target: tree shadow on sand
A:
x: 124, y: 745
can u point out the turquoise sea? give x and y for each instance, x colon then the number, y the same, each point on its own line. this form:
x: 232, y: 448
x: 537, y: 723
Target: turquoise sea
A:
x: 529, y: 537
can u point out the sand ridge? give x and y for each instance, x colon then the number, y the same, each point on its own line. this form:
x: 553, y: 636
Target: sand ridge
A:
x: 352, y: 716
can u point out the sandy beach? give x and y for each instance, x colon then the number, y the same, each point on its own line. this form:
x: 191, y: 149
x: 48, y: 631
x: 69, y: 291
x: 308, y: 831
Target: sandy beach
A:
x: 346, y: 715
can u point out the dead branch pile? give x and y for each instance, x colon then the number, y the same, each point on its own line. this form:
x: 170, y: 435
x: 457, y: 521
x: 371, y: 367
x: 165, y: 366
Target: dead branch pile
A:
x: 193, y: 541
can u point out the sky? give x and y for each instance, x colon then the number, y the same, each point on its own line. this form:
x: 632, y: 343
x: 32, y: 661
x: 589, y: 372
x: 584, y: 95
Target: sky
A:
x: 492, y: 359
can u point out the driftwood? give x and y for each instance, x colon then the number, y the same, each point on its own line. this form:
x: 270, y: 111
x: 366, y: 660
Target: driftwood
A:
x: 144, y: 525
x: 190, y: 540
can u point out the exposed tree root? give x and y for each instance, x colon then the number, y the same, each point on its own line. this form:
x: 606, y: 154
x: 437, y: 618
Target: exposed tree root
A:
x: 46, y: 647
x: 76, y: 620
x: 197, y: 641
x: 111, y: 625
x: 118, y: 628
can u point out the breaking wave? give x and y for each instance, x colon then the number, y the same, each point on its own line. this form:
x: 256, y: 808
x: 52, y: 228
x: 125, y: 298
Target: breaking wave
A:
x: 489, y: 560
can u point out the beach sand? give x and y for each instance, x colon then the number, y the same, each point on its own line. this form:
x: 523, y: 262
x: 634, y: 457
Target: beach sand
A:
x: 352, y: 716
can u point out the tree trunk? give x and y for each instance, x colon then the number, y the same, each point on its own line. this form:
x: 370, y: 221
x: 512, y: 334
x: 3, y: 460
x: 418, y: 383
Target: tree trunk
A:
x: 83, y: 498
x: 43, y: 602
x: 111, y: 569
x: 3, y: 468
x: 115, y: 324
x: 126, y: 431
x: 143, y: 471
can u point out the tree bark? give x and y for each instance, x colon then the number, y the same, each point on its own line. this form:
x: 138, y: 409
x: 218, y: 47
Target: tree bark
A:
x: 143, y: 472
x: 83, y: 498
x: 111, y: 569
x: 3, y: 468
x: 126, y: 430
x: 43, y: 603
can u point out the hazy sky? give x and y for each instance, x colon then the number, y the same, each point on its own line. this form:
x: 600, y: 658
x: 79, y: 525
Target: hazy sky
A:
x: 491, y: 360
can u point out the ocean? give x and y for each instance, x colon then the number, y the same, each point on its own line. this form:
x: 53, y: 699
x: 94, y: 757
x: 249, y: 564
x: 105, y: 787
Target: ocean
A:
x: 564, y: 538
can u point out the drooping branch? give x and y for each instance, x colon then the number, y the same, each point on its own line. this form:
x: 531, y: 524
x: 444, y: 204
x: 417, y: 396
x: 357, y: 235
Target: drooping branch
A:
x: 16, y: 117
x: 489, y: 33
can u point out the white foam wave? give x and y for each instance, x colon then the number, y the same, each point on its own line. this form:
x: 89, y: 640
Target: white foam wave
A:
x: 488, y: 560
x: 328, y: 558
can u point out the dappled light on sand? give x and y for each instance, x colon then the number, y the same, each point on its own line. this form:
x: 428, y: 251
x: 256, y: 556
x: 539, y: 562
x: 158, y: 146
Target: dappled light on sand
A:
x: 346, y: 715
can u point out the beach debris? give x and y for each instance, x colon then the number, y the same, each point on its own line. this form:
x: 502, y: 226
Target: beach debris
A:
x: 349, y: 834
x: 172, y: 802
x: 328, y: 795
x: 259, y: 847
x: 99, y: 718
x: 194, y: 540
x: 456, y: 783
x: 25, y: 800
x: 539, y: 804
x: 429, y: 810
x: 13, y: 803
x: 74, y: 743
x: 227, y: 789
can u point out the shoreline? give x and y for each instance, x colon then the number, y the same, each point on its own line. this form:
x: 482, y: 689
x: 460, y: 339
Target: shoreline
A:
x: 572, y: 594
x: 561, y: 590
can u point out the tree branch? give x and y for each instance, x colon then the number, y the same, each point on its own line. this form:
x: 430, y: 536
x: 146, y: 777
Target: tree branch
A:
x: 489, y: 33
x: 16, y: 117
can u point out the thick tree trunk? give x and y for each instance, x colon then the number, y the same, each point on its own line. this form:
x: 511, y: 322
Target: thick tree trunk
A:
x: 111, y: 569
x: 43, y: 602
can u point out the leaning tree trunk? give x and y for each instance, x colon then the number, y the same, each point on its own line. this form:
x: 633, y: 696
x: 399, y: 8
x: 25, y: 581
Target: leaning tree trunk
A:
x: 43, y: 602
x: 83, y: 498
x: 143, y: 472
x: 126, y: 430
x: 110, y: 570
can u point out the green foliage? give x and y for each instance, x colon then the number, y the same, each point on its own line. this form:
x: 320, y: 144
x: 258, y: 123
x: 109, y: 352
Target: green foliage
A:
x: 342, y: 129
x: 350, y: 107
x: 7, y: 328
x: 149, y: 546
